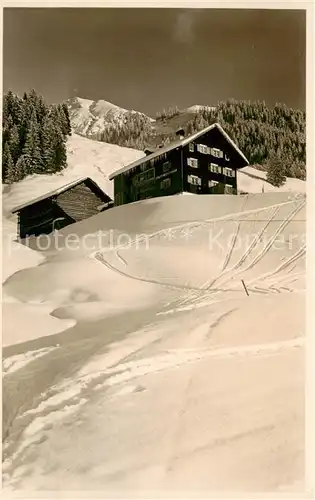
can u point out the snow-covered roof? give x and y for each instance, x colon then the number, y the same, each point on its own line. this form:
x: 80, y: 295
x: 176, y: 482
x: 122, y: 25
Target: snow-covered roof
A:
x: 177, y: 144
x: 57, y: 191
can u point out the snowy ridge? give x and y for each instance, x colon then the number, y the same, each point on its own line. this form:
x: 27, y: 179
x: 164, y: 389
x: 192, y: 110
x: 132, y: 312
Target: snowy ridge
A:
x: 90, y: 118
x: 196, y: 108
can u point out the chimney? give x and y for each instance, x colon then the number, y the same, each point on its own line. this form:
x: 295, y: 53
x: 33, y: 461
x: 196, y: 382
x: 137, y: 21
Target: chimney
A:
x: 180, y: 134
x: 148, y: 152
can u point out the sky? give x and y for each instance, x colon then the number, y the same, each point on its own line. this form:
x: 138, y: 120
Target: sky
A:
x: 151, y: 59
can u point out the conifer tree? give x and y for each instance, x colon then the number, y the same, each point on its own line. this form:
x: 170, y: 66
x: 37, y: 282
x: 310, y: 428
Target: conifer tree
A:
x: 14, y: 143
x: 23, y: 168
x: 17, y: 111
x: 54, y: 142
x: 60, y: 119
x: 33, y: 135
x: 8, y: 104
x: 67, y: 118
x: 41, y: 110
x: 7, y: 164
x: 7, y: 124
x: 47, y: 145
x: 31, y: 150
x: 59, y: 149
x: 28, y: 111
x: 276, y: 171
x: 33, y: 98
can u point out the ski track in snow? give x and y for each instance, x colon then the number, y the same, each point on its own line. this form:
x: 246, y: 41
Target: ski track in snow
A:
x: 68, y: 396
x: 100, y: 258
x: 115, y: 371
x: 185, y: 225
x: 195, y: 294
x: 280, y: 229
x: 235, y: 235
x: 235, y: 269
x: 264, y: 250
x: 247, y: 252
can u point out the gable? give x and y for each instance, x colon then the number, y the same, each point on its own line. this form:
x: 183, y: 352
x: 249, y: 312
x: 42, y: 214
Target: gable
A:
x: 214, y: 139
x: 80, y: 201
x: 181, y: 143
x: 55, y: 192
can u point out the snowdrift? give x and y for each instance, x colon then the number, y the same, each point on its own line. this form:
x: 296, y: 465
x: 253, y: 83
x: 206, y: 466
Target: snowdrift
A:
x: 14, y: 255
x: 251, y: 180
x: 172, y: 380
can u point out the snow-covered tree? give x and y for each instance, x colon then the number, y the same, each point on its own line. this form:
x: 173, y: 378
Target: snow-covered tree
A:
x: 275, y: 171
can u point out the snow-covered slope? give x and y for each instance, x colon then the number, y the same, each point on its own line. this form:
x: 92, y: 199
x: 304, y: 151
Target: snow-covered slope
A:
x: 86, y: 158
x: 250, y: 180
x: 196, y: 108
x: 172, y: 379
x: 90, y: 118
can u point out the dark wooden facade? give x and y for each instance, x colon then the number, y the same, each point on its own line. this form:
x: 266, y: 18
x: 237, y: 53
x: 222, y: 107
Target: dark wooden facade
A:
x: 59, y: 208
x: 203, y: 165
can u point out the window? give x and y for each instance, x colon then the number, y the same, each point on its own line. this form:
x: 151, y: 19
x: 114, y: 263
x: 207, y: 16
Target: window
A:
x: 213, y: 167
x: 226, y: 156
x: 191, y: 147
x: 193, y: 179
x: 203, y: 149
x: 192, y: 162
x: 144, y: 177
x: 167, y: 166
x: 149, y: 174
x: 165, y: 183
x: 229, y: 172
x: 212, y: 183
x: 217, y: 152
x: 228, y: 189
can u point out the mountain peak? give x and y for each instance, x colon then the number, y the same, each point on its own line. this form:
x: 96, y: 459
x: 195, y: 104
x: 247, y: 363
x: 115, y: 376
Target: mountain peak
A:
x: 91, y: 118
x: 79, y: 102
x: 102, y: 107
